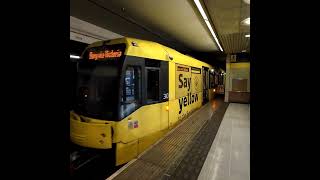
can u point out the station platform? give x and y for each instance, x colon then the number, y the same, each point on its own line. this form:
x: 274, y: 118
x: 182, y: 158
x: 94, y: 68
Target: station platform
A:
x: 229, y: 155
x: 213, y: 143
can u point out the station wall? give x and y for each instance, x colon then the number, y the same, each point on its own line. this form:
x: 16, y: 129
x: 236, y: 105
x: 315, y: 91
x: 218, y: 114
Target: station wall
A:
x: 237, y: 86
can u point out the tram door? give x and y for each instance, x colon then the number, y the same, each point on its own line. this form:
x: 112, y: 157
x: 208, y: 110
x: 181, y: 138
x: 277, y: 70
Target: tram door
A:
x: 156, y: 92
x: 205, y: 74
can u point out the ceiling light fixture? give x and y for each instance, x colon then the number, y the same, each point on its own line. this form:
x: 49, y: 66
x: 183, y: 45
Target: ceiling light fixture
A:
x: 247, y: 35
x: 74, y: 56
x: 246, y: 22
x: 204, y: 16
x: 246, y: 1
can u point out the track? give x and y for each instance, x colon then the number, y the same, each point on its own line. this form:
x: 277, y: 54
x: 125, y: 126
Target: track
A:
x: 90, y: 164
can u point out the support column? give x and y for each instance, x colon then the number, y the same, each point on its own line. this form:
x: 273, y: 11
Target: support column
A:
x: 227, y: 79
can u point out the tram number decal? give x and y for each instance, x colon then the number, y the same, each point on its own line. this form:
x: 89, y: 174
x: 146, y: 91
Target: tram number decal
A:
x: 165, y: 96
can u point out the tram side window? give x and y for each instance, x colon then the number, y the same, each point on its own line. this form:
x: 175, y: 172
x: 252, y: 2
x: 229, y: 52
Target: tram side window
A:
x: 216, y: 78
x: 152, y: 85
x: 205, y: 79
x: 131, y: 95
x: 211, y: 80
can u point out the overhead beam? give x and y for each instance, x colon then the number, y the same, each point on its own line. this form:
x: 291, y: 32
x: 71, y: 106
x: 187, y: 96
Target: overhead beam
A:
x: 85, y: 32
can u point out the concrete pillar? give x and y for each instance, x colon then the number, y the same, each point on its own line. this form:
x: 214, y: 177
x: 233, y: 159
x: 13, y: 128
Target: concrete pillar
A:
x: 227, y: 79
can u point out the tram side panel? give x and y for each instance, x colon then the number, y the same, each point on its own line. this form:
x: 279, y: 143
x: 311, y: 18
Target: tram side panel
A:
x: 185, y: 91
x: 147, y: 124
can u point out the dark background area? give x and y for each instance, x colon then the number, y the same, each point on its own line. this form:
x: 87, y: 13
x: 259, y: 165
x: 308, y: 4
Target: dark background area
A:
x: 35, y: 90
x: 76, y: 48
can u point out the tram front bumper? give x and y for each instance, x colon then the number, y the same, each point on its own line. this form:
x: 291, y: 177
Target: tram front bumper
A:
x: 89, y: 134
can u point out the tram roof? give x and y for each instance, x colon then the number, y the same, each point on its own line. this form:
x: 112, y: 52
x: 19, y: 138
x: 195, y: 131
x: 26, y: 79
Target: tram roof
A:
x: 152, y: 50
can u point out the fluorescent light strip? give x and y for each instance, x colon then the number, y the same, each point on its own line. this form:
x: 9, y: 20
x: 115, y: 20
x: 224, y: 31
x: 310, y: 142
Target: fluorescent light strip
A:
x: 74, y: 57
x: 204, y: 16
x: 247, y: 35
x: 213, y: 34
x: 201, y: 9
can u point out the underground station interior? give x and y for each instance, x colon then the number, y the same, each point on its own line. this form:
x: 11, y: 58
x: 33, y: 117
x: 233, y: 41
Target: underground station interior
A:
x: 160, y: 89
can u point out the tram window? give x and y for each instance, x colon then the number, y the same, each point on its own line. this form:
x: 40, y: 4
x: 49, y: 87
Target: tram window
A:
x: 152, y: 63
x: 211, y: 80
x: 94, y: 97
x: 152, y: 85
x: 205, y: 79
x: 216, y: 79
x: 131, y: 95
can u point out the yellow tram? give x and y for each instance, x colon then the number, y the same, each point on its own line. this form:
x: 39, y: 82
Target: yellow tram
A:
x: 131, y: 92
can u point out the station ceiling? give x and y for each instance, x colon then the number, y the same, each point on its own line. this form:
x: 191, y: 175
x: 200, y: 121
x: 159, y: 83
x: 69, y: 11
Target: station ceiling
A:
x: 174, y: 23
x: 227, y: 16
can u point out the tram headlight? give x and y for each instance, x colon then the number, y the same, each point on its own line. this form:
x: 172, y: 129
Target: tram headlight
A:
x: 74, y: 156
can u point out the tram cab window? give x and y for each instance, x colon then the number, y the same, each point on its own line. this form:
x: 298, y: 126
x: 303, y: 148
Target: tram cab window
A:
x: 131, y: 91
x: 153, y: 85
x: 94, y: 95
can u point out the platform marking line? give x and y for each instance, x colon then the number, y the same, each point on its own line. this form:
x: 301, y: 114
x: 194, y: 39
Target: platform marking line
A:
x: 121, y: 169
x: 230, y: 154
